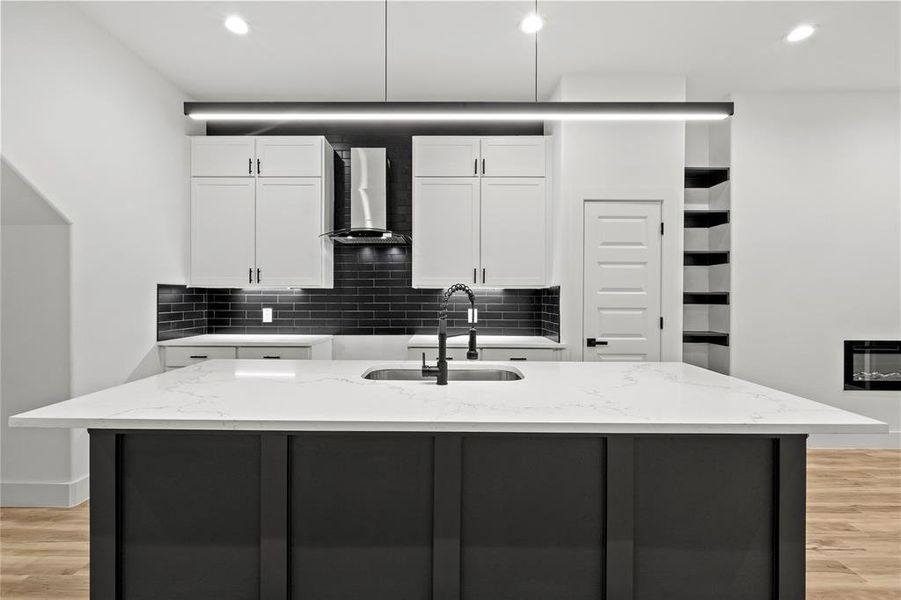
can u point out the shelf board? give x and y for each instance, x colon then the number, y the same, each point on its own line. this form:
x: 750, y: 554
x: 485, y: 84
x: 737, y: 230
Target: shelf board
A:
x: 704, y: 258
x: 705, y: 177
x: 705, y: 298
x: 705, y: 337
x: 706, y: 218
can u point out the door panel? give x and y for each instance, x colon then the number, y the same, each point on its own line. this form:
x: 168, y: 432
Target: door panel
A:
x: 289, y: 156
x: 513, y: 156
x: 288, y: 224
x: 222, y: 231
x: 445, y: 231
x: 445, y: 156
x: 622, y: 280
x: 222, y: 156
x: 513, y: 232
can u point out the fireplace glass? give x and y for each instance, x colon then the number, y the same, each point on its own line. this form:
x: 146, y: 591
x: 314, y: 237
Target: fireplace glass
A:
x: 872, y: 365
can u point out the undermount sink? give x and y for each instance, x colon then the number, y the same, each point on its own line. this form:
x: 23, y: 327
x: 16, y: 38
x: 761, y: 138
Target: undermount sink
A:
x: 462, y: 374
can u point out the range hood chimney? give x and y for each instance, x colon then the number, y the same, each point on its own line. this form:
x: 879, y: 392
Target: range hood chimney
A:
x: 368, y: 201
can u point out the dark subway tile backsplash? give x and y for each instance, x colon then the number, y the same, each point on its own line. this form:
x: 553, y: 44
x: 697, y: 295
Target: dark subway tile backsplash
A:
x: 373, y: 295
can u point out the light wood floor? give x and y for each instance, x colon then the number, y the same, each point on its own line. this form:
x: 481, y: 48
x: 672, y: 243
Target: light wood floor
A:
x: 853, y: 535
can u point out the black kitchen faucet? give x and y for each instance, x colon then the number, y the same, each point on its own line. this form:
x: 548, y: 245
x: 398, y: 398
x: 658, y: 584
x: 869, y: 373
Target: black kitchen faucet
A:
x: 440, y: 370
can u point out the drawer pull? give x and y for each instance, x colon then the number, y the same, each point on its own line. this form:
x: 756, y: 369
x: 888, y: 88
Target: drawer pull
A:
x: 274, y: 357
x: 518, y: 358
x: 199, y: 356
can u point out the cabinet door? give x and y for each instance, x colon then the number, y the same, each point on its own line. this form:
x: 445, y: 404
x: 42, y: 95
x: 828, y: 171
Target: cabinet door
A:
x: 288, y: 224
x: 445, y: 231
x: 445, y: 156
x: 222, y: 236
x: 513, y: 232
x: 289, y: 156
x: 513, y: 156
x: 222, y: 156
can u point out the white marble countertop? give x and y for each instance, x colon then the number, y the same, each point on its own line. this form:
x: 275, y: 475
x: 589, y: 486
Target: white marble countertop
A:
x: 248, y: 340
x: 554, y: 397
x: 486, y: 341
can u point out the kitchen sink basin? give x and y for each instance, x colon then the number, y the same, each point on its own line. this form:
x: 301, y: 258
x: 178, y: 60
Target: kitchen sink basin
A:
x: 463, y: 374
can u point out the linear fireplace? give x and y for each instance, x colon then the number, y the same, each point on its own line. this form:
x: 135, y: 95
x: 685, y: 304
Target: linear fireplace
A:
x: 872, y: 365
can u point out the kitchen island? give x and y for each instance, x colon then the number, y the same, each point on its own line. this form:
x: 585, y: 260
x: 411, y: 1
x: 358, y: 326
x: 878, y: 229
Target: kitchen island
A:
x: 302, y: 479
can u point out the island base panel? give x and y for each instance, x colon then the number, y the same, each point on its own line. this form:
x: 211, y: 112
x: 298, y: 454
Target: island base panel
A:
x: 322, y: 516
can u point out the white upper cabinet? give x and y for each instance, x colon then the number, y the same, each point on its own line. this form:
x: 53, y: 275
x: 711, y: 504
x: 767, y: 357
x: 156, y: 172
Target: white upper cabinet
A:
x: 445, y: 156
x: 513, y: 216
x: 262, y: 229
x: 478, y: 227
x: 513, y: 156
x: 465, y: 156
x: 222, y: 233
x: 222, y: 156
x: 289, y: 156
x: 288, y: 224
x: 445, y: 231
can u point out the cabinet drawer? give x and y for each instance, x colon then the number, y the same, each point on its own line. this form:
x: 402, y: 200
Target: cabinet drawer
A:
x: 279, y: 353
x: 540, y: 354
x: 182, y: 356
x: 431, y: 354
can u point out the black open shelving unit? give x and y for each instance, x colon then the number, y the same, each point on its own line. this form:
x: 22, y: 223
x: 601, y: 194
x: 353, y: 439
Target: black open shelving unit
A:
x: 705, y: 218
x: 705, y: 298
x: 705, y: 177
x: 706, y: 258
x: 717, y: 338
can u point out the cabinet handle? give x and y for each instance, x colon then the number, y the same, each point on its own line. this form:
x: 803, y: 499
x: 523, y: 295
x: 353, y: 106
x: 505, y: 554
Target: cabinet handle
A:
x: 483, y: 274
x: 258, y: 166
x: 250, y: 166
x: 250, y: 275
x: 199, y: 356
x: 258, y: 275
x: 273, y: 357
x: 483, y: 166
x: 518, y: 358
x: 475, y: 166
x: 474, y: 271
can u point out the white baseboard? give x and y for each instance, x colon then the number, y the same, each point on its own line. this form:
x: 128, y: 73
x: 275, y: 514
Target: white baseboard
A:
x: 892, y: 439
x: 50, y: 494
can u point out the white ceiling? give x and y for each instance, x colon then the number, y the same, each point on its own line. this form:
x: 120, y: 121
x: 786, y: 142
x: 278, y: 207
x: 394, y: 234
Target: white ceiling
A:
x: 473, y: 50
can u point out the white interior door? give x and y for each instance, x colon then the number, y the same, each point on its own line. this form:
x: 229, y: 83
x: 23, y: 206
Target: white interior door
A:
x: 622, y: 281
x: 289, y: 156
x: 222, y: 232
x: 222, y: 156
x: 445, y: 156
x: 513, y: 156
x: 445, y: 231
x: 513, y: 232
x: 288, y: 224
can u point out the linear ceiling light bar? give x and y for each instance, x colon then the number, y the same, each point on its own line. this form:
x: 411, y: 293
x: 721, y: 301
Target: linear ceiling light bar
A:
x: 458, y: 111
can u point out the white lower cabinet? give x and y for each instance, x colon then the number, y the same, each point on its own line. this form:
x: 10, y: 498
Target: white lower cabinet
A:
x: 497, y: 354
x: 281, y: 353
x: 182, y: 356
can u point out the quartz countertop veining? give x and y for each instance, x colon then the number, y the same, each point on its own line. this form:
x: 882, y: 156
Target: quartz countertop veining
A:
x: 247, y: 340
x: 487, y: 341
x: 553, y: 397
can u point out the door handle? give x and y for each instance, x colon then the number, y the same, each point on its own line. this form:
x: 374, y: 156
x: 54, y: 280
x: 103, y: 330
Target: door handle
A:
x: 592, y: 342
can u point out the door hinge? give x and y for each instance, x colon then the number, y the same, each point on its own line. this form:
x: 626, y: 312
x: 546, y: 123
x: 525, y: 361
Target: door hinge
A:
x: 661, y: 228
x: 661, y: 322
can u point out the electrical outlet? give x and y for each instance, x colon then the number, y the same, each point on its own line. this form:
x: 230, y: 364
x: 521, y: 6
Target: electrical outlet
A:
x: 267, y: 315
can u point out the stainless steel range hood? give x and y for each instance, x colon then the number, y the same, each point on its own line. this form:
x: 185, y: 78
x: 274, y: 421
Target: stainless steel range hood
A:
x: 368, y: 201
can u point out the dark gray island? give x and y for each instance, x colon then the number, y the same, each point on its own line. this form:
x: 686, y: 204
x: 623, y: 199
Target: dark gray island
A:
x: 246, y: 479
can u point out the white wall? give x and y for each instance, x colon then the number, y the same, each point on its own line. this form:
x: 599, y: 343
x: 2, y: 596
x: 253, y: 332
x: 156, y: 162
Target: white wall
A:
x: 101, y: 136
x: 34, y: 345
x: 617, y: 161
x: 816, y: 243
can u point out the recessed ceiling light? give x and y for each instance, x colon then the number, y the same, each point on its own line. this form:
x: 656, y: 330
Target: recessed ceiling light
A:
x: 532, y: 23
x: 800, y: 33
x: 237, y: 25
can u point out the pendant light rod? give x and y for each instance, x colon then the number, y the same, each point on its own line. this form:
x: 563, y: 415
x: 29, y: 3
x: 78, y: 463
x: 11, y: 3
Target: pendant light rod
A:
x: 458, y: 111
